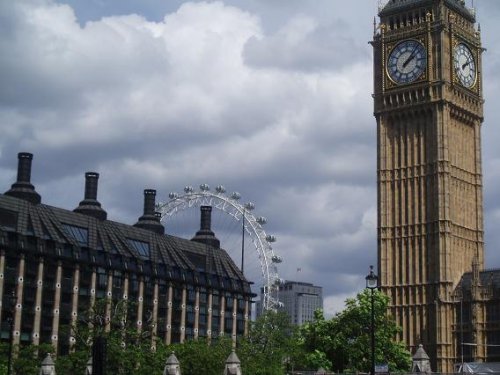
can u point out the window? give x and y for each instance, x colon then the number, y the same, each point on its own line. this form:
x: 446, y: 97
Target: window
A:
x: 141, y: 247
x: 81, y: 235
x: 198, y: 260
x: 30, y: 231
x: 8, y: 219
x: 46, y: 234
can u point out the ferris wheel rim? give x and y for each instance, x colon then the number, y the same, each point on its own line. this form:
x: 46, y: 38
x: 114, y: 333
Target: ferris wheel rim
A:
x: 231, y: 205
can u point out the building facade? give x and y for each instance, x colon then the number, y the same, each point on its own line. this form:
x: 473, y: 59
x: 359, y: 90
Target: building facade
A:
x: 300, y: 300
x: 58, y: 263
x: 428, y: 105
x: 476, y: 320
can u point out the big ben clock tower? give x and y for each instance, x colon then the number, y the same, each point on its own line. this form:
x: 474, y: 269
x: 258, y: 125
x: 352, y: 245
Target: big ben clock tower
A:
x: 429, y: 109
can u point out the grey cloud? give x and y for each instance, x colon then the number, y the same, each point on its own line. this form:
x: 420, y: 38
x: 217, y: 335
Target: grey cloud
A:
x: 251, y: 94
x: 321, y: 48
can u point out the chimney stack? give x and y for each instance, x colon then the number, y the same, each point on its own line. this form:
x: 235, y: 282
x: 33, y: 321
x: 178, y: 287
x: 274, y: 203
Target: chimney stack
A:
x: 205, y: 234
x: 150, y: 220
x: 91, y: 179
x: 90, y: 205
x: 23, y: 188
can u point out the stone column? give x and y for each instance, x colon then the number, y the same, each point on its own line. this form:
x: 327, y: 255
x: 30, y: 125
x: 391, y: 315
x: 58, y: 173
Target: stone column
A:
x: 168, y: 339
x: 154, y: 328
x: 235, y: 319
x: 140, y: 307
x: 209, y: 317
x: 74, y: 303
x: 109, y: 300
x: 183, y: 314
x: 222, y: 314
x: 197, y: 313
x: 57, y: 305
x: 125, y: 295
x: 38, y: 304
x: 19, y: 306
x: 93, y: 280
x: 247, y: 313
x: 125, y: 288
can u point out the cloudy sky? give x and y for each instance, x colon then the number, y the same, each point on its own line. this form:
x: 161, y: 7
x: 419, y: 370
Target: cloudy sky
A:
x: 271, y: 98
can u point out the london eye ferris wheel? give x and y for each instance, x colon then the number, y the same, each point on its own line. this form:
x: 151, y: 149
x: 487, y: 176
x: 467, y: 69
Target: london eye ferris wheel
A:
x: 243, y: 234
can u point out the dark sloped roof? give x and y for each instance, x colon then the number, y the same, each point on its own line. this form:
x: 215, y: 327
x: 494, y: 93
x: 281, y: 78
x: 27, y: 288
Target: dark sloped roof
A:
x: 487, y: 278
x: 126, y: 242
x: 481, y: 368
x: 394, y: 6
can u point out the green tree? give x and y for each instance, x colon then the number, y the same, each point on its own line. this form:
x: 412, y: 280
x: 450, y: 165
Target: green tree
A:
x: 317, y: 343
x: 128, y: 350
x: 26, y: 358
x: 202, y: 357
x: 29, y: 358
x: 345, y: 339
x: 271, y: 343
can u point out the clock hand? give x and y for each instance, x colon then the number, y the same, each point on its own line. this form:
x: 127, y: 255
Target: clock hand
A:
x: 464, y: 65
x: 410, y: 57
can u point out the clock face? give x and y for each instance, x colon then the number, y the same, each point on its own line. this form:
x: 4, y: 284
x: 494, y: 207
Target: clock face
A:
x: 465, y: 65
x: 407, y: 61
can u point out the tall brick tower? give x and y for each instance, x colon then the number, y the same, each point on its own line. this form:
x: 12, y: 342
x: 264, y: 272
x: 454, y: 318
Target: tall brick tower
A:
x: 429, y: 109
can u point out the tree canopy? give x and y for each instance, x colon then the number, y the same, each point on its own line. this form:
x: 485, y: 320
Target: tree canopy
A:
x: 273, y: 346
x: 343, y: 343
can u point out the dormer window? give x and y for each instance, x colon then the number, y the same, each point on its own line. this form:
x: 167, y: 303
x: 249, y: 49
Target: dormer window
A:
x: 140, y: 246
x: 79, y: 234
x: 8, y: 220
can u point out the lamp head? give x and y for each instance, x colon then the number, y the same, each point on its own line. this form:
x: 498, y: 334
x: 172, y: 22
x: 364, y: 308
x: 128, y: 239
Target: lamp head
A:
x: 371, y: 280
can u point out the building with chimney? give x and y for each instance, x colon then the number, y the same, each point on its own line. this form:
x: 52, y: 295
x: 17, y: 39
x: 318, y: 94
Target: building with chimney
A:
x: 59, y: 262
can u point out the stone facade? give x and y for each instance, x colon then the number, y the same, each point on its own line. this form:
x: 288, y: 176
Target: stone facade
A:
x: 429, y: 111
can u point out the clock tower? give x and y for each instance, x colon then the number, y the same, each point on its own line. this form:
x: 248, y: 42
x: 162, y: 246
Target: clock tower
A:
x: 429, y: 108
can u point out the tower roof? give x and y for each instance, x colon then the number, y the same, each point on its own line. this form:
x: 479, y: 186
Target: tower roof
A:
x: 489, y: 277
x: 394, y: 6
x: 420, y: 354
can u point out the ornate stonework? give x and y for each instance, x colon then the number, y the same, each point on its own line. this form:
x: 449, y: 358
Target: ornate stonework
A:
x: 429, y: 110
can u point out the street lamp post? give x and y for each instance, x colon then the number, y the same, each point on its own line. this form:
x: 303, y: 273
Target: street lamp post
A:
x: 10, y: 320
x: 372, y: 284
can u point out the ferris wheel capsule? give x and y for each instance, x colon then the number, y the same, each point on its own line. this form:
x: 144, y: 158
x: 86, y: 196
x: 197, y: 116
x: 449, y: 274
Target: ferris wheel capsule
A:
x: 249, y: 206
x: 188, y: 189
x: 276, y: 259
x: 270, y: 238
x: 220, y: 189
x: 173, y: 195
x: 235, y: 196
x: 204, y: 187
x: 261, y: 220
x: 279, y: 281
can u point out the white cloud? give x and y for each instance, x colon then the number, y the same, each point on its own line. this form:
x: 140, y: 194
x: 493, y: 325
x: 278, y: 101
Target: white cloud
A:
x: 270, y: 100
x: 303, y: 44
